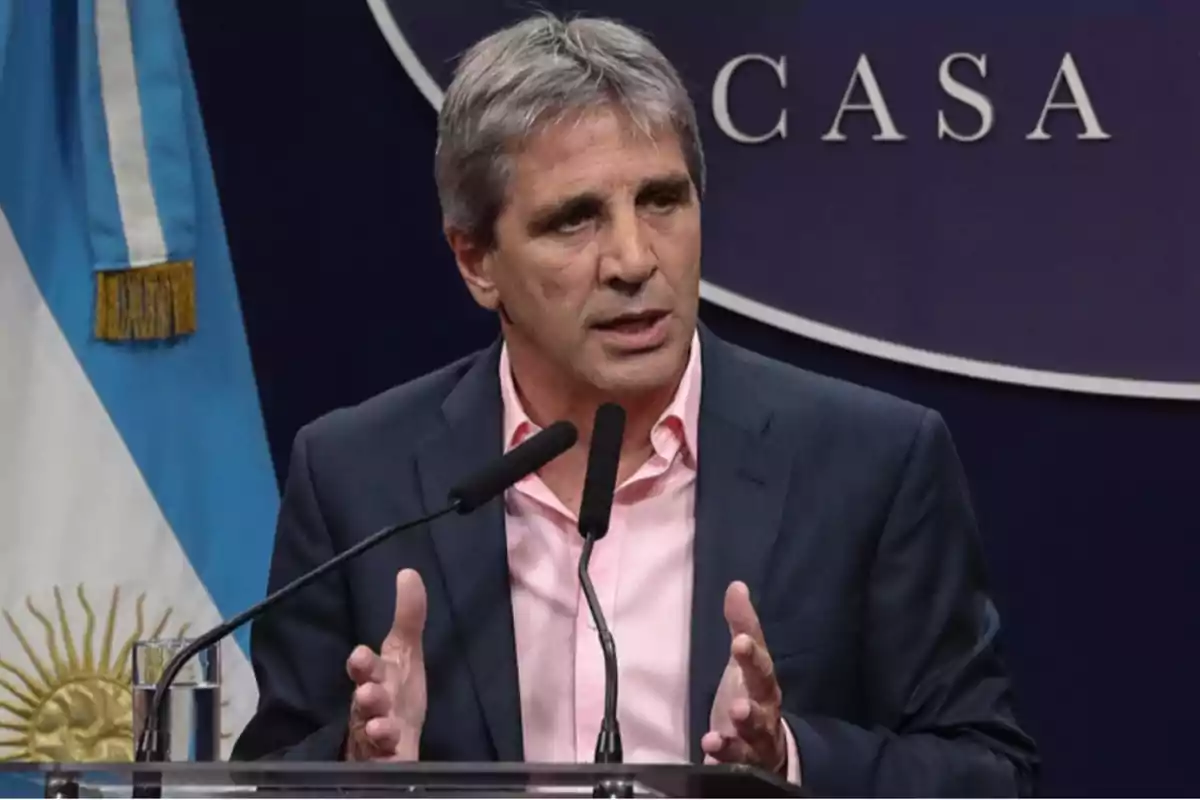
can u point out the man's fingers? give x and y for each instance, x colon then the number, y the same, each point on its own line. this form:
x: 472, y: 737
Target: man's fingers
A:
x: 758, y: 670
x: 753, y: 725
x: 725, y: 749
x: 753, y: 742
x: 373, y: 730
x: 740, y: 613
x: 371, y: 700
x: 363, y: 666
x: 711, y: 743
x: 383, y: 733
x: 374, y: 738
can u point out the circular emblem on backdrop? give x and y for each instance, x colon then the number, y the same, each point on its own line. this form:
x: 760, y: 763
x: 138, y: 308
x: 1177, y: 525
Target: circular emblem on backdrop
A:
x: 1003, y: 192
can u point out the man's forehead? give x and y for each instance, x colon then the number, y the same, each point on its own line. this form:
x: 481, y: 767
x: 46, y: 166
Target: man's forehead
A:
x: 594, y: 153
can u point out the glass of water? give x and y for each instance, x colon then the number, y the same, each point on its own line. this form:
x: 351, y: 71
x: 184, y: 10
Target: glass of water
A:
x: 189, y: 726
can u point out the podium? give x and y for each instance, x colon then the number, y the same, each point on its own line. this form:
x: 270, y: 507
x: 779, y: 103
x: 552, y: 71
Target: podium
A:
x: 294, y: 779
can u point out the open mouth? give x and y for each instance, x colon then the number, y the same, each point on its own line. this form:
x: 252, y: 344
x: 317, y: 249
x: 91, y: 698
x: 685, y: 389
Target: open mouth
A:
x: 632, y: 323
x: 639, y: 332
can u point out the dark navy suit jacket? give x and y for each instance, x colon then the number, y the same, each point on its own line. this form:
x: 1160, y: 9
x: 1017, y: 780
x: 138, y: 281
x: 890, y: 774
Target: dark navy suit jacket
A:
x: 844, y: 510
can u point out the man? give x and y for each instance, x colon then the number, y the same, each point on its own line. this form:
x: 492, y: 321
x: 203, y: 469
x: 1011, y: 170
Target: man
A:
x: 792, y: 572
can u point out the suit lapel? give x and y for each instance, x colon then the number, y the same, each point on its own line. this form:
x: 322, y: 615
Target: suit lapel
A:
x: 740, y: 489
x: 472, y: 549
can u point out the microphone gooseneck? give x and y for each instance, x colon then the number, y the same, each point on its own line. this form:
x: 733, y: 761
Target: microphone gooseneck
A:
x: 595, y: 507
x: 479, y: 488
x: 150, y: 745
x: 608, y: 743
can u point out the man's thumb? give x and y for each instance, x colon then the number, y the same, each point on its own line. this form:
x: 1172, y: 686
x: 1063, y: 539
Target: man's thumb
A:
x: 739, y: 612
x: 409, y: 621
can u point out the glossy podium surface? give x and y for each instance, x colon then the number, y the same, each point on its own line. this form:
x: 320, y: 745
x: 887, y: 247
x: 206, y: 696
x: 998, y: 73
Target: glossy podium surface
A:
x: 259, y: 779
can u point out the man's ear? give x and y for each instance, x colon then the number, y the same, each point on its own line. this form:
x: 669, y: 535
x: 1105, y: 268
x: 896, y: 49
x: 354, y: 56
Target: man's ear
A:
x: 475, y: 264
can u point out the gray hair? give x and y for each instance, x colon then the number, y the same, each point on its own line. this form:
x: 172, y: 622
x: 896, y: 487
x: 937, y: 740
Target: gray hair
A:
x: 533, y: 73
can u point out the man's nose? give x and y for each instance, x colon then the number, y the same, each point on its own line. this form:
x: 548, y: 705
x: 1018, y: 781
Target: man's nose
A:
x: 627, y: 259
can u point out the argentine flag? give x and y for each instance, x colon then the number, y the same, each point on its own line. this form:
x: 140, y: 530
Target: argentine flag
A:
x: 137, y: 495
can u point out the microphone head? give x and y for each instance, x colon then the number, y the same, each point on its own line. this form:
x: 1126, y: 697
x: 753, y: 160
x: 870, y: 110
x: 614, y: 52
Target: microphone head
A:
x: 531, y: 455
x: 604, y: 457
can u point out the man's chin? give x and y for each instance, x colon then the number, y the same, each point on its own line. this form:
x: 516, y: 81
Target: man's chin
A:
x: 637, y: 373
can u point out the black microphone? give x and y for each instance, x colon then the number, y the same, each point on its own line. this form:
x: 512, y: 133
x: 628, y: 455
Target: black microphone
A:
x: 594, y: 509
x: 531, y: 455
x: 477, y: 489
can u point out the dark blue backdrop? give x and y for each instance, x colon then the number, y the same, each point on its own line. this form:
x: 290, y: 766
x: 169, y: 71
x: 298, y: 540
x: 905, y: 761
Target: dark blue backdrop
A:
x: 1060, y: 254
x: 322, y: 149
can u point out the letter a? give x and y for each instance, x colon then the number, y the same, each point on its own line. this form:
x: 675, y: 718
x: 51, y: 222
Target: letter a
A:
x: 875, y: 104
x: 1081, y: 104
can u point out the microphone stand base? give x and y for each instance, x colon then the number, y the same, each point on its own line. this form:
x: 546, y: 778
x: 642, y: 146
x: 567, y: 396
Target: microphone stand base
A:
x: 146, y: 785
x: 61, y: 786
x: 613, y: 787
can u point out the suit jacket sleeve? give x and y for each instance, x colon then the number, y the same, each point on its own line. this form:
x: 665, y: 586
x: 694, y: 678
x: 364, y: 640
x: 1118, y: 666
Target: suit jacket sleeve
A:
x: 304, y: 699
x: 932, y: 671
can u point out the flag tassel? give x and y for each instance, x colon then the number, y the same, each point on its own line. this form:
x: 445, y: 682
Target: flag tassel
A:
x: 146, y: 303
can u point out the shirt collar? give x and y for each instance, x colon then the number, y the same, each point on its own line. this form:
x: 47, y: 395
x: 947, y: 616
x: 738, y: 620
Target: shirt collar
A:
x: 680, y: 421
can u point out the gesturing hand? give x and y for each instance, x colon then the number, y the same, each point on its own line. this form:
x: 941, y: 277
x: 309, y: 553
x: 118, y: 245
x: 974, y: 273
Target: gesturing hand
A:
x: 387, y: 711
x: 745, y: 723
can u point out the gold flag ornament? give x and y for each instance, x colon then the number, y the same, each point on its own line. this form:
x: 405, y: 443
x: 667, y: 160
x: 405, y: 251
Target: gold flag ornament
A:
x: 146, y: 303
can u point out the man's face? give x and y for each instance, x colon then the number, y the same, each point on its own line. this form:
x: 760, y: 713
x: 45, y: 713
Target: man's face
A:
x: 596, y: 263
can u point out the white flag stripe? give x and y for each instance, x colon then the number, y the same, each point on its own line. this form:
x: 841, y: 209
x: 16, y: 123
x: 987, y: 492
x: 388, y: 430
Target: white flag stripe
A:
x: 126, y: 135
x: 74, y: 508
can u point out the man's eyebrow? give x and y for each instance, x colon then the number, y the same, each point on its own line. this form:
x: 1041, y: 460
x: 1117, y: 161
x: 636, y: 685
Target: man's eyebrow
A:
x: 554, y: 214
x: 675, y: 183
x: 590, y: 203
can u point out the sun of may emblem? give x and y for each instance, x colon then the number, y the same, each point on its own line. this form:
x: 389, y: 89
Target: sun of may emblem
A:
x: 74, y: 703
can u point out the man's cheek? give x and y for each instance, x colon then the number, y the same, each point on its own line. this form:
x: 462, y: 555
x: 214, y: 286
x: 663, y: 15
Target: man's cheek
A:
x: 555, y: 292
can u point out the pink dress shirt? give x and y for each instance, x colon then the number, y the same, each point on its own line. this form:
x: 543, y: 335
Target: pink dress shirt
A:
x: 642, y: 571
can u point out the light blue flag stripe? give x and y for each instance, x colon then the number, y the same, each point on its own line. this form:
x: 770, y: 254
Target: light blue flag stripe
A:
x: 106, y: 229
x: 187, y: 410
x: 161, y: 71
x: 5, y: 27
